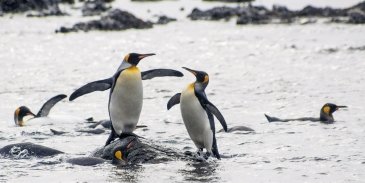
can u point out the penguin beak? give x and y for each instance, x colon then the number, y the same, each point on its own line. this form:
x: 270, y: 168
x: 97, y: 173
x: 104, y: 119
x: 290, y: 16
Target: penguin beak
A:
x: 30, y: 113
x: 142, y: 56
x: 341, y: 106
x: 190, y: 70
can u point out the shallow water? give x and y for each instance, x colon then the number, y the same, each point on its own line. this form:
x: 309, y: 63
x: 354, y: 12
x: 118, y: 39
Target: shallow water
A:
x: 282, y: 70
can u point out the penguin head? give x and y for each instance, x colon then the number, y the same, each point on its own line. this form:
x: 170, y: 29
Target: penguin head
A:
x: 121, y: 151
x: 20, y: 113
x: 134, y: 58
x: 201, y: 76
x: 327, y: 110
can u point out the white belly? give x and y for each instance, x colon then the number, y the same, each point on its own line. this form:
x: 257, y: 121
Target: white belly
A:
x: 126, y: 101
x: 196, y: 120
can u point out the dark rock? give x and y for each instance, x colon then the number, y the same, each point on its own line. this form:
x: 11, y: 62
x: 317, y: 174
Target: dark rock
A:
x: 232, y: 1
x: 115, y: 20
x: 320, y: 12
x: 164, y: 20
x: 253, y: 15
x: 94, y: 7
x: 360, y: 6
x: 68, y: 1
x: 216, y: 13
x: 45, y: 7
x: 356, y: 17
x: 27, y: 150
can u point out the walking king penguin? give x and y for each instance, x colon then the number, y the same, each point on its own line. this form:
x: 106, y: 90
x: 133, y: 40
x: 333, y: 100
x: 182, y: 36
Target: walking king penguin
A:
x: 126, y: 94
x: 325, y: 115
x: 197, y: 113
x: 23, y: 111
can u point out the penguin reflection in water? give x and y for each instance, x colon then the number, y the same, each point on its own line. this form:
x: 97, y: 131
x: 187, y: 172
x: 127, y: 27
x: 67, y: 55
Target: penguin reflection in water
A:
x: 126, y: 93
x: 24, y: 111
x: 197, y: 113
x: 325, y: 115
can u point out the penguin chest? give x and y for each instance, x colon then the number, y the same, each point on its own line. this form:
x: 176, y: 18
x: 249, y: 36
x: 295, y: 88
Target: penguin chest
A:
x: 195, y: 118
x: 126, y: 101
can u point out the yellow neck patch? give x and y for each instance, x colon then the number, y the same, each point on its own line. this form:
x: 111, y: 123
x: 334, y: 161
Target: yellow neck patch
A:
x: 133, y: 69
x: 326, y: 110
x: 191, y: 86
x: 118, y: 155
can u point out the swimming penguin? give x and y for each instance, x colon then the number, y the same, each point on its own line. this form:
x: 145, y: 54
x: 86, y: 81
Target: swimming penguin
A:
x: 197, y: 113
x: 325, y: 115
x: 126, y: 94
x: 23, y: 111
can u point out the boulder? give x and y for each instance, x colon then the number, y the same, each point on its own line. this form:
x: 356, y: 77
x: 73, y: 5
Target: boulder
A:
x: 115, y: 20
x: 94, y: 7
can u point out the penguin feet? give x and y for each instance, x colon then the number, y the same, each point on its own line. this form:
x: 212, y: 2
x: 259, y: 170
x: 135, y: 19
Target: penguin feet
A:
x: 207, y: 155
x: 199, y: 156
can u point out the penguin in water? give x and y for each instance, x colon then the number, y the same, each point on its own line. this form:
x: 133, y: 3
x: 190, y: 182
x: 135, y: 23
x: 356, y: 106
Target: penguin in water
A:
x: 197, y: 113
x: 126, y: 94
x: 23, y: 111
x: 325, y: 115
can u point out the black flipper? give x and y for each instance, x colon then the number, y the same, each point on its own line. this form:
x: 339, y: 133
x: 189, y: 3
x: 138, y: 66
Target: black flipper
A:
x: 173, y: 101
x: 271, y: 119
x: 204, y: 102
x: 213, y: 109
x: 160, y: 73
x: 212, y: 127
x: 100, y: 85
x: 44, y: 111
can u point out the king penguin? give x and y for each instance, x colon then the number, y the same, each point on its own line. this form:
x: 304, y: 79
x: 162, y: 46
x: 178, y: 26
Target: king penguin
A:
x: 325, y: 115
x: 23, y: 111
x: 197, y: 113
x: 126, y: 93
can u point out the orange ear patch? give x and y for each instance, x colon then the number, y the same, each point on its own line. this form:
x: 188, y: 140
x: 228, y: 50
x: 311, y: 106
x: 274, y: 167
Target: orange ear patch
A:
x: 206, y: 78
x: 17, y: 111
x: 326, y: 109
x: 118, y: 155
x: 126, y: 58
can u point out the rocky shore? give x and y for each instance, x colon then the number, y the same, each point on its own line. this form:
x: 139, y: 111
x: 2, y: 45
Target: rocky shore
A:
x: 281, y: 14
x: 117, y: 20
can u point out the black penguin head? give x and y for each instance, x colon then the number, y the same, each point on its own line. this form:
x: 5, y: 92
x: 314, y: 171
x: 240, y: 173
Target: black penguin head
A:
x: 201, y: 76
x: 20, y: 113
x: 134, y: 58
x: 121, y: 151
x: 327, y: 110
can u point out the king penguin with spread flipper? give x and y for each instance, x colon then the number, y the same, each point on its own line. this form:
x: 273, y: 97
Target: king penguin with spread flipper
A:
x: 23, y: 111
x: 126, y: 93
x: 197, y: 113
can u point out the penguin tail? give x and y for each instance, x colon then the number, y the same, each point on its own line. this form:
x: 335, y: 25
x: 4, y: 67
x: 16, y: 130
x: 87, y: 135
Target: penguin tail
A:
x: 271, y: 119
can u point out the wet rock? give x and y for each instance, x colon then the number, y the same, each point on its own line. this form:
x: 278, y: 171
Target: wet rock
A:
x: 356, y: 17
x: 27, y: 150
x: 253, y: 16
x: 281, y: 14
x: 320, y: 12
x: 216, y: 13
x: 44, y: 7
x: 115, y: 20
x: 360, y: 7
x: 94, y: 7
x: 68, y: 1
x: 165, y: 20
x: 232, y: 1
